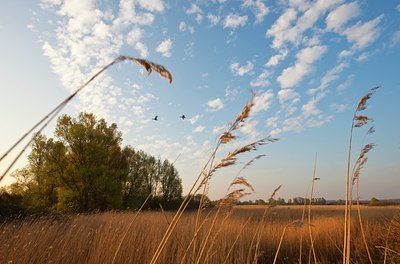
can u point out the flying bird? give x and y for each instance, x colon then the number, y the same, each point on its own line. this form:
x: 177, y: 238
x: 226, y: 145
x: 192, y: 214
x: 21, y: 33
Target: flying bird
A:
x: 183, y: 117
x: 155, y: 118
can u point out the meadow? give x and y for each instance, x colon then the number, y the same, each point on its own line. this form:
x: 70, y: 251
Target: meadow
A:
x: 95, y: 238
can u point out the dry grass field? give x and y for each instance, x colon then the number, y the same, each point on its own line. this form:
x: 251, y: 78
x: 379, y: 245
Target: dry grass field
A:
x: 94, y: 238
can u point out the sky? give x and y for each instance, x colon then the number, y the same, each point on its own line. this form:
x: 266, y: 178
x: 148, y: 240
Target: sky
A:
x: 308, y: 63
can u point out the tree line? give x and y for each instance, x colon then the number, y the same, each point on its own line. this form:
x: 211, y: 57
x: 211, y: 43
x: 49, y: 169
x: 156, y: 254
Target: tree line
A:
x: 85, y: 168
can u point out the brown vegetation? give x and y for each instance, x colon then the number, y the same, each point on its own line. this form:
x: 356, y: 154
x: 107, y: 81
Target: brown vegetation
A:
x: 94, y: 238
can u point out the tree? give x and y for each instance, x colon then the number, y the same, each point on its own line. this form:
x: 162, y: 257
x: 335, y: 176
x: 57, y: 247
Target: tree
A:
x: 84, y: 168
x: 260, y: 202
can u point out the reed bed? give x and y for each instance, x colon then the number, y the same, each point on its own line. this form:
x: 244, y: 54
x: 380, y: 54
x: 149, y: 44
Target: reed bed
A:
x: 94, y: 238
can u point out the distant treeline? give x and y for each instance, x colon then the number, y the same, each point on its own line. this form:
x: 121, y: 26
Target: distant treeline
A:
x: 318, y: 201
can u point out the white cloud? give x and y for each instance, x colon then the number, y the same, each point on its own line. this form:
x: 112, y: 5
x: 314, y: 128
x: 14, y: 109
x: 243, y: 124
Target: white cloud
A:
x: 259, y: 8
x: 291, y: 76
x: 234, y: 21
x: 330, y: 76
x: 249, y: 128
x: 282, y: 31
x: 182, y: 26
x: 213, y: 19
x: 363, y: 57
x: 128, y: 14
x: 231, y: 93
x: 276, y: 59
x: 138, y: 110
x: 215, y: 105
x: 398, y: 7
x: 341, y: 15
x: 310, y: 108
x: 339, y: 107
x: 346, y: 83
x: 262, y: 101
x: 134, y: 36
x: 293, y: 124
x: 241, y: 70
x: 142, y: 49
x: 363, y: 34
x: 135, y: 87
x: 199, y: 129
x: 318, y: 121
x: 275, y: 132
x: 272, y: 122
x: 191, y: 29
x: 199, y: 18
x: 395, y: 38
x: 288, y: 94
x: 189, y: 48
x: 47, y: 4
x: 261, y: 80
x: 145, y: 98
x: 165, y: 48
x: 153, y: 5
x: 281, y: 26
x: 301, y: 5
x: 194, y: 119
x: 345, y: 53
x: 194, y: 9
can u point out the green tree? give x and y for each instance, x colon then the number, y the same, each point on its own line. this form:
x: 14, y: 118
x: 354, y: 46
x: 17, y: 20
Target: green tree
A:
x: 84, y: 168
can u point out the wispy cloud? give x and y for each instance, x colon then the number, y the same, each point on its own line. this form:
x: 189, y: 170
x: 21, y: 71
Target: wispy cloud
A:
x: 213, y: 19
x: 182, y: 26
x: 241, y: 70
x: 154, y: 5
x: 261, y: 80
x: 363, y: 57
x: 259, y: 8
x: 288, y: 95
x: 276, y: 59
x: 341, y: 15
x: 133, y: 38
x: 262, y: 101
x: 234, y: 21
x: 194, y: 119
x: 346, y: 83
x: 145, y: 98
x: 87, y: 38
x: 215, y: 105
x: 279, y: 29
x: 339, y: 107
x: 282, y: 30
x: 363, y: 34
x: 199, y: 129
x: 330, y: 76
x: 395, y: 40
x: 291, y: 76
x: 194, y: 9
x: 165, y: 48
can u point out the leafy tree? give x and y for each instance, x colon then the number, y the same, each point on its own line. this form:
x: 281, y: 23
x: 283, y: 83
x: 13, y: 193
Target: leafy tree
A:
x: 260, y: 202
x: 84, y: 168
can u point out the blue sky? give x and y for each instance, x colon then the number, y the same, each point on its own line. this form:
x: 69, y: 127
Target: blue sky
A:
x: 309, y: 62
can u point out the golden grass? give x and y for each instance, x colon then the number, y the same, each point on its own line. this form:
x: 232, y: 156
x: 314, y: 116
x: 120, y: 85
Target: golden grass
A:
x: 94, y: 238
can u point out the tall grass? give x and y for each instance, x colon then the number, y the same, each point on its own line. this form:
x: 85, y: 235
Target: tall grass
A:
x: 94, y: 238
x: 357, y: 121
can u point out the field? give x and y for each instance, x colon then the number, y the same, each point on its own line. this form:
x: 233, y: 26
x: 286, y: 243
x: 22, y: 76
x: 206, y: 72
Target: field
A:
x: 95, y: 238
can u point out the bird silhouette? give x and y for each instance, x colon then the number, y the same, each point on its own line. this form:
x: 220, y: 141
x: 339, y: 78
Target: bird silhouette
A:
x: 183, y: 117
x: 155, y: 118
